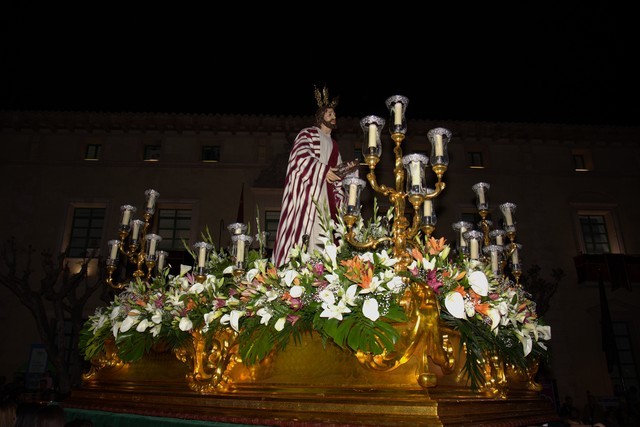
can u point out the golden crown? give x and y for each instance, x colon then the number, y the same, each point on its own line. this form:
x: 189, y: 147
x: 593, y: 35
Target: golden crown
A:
x: 322, y: 98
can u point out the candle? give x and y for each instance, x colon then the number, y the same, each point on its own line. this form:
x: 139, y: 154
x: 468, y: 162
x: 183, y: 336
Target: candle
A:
x: 152, y: 246
x: 481, y: 195
x: 126, y: 215
x: 415, y: 172
x: 240, y: 254
x: 494, y: 260
x: 397, y: 113
x: 474, y: 248
x: 427, y: 208
x: 201, y: 256
x: 438, y: 145
x: 373, y: 133
x: 507, y: 217
x: 136, y: 230
x: 499, y: 240
x: 353, y: 193
x: 462, y: 241
x: 514, y: 256
x: 114, y: 252
x: 152, y: 200
x: 161, y: 257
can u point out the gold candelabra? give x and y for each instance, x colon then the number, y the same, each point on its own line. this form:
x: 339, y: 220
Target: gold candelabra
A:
x: 484, y: 245
x: 410, y: 182
x: 135, y: 243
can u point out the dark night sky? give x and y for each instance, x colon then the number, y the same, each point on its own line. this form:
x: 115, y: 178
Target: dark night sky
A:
x: 570, y: 64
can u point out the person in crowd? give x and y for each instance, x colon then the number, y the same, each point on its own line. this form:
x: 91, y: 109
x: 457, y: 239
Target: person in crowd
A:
x: 8, y: 413
x: 311, y: 183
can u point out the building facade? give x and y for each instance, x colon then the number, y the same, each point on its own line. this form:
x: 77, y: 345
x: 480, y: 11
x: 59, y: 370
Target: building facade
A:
x: 65, y: 175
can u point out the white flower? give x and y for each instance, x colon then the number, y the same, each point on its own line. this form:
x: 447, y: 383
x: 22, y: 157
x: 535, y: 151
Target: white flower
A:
x: 265, y: 316
x: 271, y: 295
x: 455, y: 305
x: 370, y: 309
x: 350, y: 296
x: 211, y: 316
x: 228, y: 270
x: 184, y: 269
x: 428, y: 264
x: 327, y: 296
x: 494, y: 315
x: 332, y: 252
x: 334, y: 311
x: 156, y: 317
x: 386, y: 259
x: 289, y: 276
x: 395, y: 285
x: 156, y: 330
x: 296, y: 291
x: 196, y: 288
x: 233, y: 319
x: 185, y: 324
x: 143, y: 325
x: 479, y: 283
x: 280, y: 323
x: 251, y: 274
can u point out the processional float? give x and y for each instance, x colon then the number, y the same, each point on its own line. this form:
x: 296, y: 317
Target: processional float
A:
x: 425, y: 371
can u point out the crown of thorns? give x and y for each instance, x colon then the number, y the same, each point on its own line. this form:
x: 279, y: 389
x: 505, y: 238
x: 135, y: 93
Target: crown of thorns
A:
x: 322, y: 98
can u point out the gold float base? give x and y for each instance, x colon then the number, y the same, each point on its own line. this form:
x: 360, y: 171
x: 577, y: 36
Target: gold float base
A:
x: 309, y: 385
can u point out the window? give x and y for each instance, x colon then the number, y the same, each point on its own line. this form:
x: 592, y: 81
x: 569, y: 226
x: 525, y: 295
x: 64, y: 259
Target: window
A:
x: 151, y: 153
x: 475, y: 160
x: 597, y: 230
x: 92, y: 152
x: 271, y: 221
x: 594, y: 234
x: 86, y: 232
x: 211, y: 153
x: 174, y: 226
x: 625, y: 374
x: 582, y: 161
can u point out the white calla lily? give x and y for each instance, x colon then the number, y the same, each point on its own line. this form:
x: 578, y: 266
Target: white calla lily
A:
x: 185, y: 324
x: 479, y: 283
x: 455, y: 305
x: 370, y: 309
x: 296, y: 291
x: 280, y: 323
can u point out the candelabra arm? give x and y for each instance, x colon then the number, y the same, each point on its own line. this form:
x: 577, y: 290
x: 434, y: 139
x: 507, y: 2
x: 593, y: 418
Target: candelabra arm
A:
x: 382, y: 189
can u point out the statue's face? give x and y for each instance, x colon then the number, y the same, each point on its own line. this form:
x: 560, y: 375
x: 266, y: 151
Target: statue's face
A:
x: 329, y: 118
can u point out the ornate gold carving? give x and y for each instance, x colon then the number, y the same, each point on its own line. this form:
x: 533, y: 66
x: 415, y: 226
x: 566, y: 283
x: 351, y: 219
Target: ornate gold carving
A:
x: 210, y: 360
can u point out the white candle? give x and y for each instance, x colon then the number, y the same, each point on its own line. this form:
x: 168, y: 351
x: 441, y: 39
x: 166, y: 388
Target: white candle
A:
x: 136, y: 230
x: 415, y: 172
x: 507, y: 217
x: 494, y: 260
x: 397, y: 113
x: 462, y: 241
x: 427, y: 208
x: 152, y: 246
x: 481, y: 195
x: 353, y: 193
x: 152, y: 200
x: 474, y: 248
x: 514, y: 256
x: 499, y: 240
x: 438, y: 145
x: 114, y: 252
x: 373, y: 133
x: 161, y: 256
x: 240, y: 254
x: 201, y: 256
x: 126, y: 215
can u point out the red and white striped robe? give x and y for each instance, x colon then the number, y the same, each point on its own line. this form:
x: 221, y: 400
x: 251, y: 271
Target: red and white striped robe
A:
x: 306, y: 176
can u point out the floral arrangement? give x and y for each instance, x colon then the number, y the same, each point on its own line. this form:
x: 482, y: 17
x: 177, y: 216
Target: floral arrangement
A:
x: 349, y: 297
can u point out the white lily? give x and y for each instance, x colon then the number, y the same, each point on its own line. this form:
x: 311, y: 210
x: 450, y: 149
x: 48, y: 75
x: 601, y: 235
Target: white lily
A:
x: 327, y: 296
x: 494, y: 315
x: 265, y: 316
x: 155, y: 330
x: 211, y: 316
x: 235, y: 319
x: 479, y: 283
x: 184, y: 269
x: 228, y: 270
x: 196, y: 288
x: 350, y: 296
x: 527, y: 343
x: 332, y: 252
x: 395, y: 285
x: 335, y: 311
x: 251, y: 274
x: 370, y: 309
